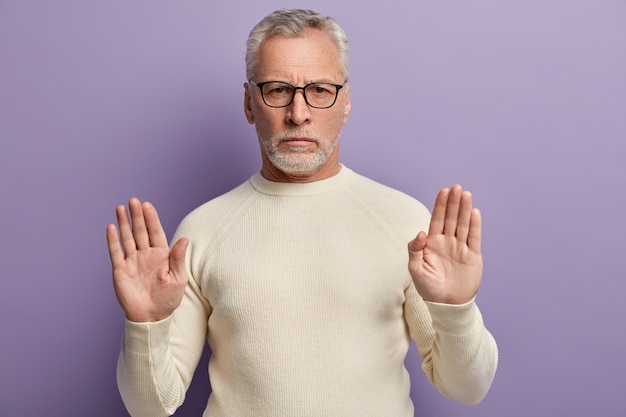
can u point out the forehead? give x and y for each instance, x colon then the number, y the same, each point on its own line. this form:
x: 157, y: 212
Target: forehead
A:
x: 310, y: 57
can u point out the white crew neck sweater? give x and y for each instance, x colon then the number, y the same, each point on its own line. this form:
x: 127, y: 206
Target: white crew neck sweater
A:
x: 304, y: 295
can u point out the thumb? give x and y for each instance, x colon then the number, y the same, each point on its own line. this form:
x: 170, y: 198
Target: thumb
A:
x: 177, y: 256
x: 417, y: 244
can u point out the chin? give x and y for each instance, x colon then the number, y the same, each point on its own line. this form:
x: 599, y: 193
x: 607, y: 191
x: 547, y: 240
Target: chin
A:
x: 297, y: 170
x: 297, y: 166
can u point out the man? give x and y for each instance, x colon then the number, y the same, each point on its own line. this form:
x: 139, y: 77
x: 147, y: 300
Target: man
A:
x: 300, y: 278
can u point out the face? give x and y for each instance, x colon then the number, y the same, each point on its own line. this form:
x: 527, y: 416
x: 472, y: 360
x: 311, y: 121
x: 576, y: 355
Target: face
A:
x: 298, y: 143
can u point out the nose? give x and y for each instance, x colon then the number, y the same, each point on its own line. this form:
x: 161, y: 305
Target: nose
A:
x: 298, y: 111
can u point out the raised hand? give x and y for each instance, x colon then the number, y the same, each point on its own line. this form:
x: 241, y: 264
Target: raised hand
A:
x: 149, y: 278
x: 446, y: 264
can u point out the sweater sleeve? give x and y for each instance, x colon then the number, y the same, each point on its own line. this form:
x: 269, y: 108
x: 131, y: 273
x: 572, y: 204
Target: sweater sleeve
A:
x: 459, y: 354
x: 157, y: 360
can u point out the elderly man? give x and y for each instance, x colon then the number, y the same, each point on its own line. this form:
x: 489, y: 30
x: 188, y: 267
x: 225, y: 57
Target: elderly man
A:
x: 300, y: 278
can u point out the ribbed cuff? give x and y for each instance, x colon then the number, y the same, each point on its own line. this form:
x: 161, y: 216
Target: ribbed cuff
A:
x: 140, y: 335
x: 454, y: 319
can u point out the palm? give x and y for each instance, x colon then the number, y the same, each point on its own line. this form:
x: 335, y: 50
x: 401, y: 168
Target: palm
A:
x: 446, y: 264
x: 148, y: 278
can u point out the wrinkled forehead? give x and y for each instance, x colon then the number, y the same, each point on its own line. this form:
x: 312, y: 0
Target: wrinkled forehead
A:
x: 313, y: 54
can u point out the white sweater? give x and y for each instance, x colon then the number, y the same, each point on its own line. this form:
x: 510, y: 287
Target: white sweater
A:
x: 304, y: 294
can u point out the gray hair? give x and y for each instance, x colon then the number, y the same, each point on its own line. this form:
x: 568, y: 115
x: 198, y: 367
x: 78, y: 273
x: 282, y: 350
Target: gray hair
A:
x: 292, y: 23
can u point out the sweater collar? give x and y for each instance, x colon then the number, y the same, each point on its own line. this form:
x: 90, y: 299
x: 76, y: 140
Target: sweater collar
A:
x: 288, y: 189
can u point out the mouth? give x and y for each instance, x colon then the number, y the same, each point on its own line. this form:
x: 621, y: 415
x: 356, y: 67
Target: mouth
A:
x: 299, y: 141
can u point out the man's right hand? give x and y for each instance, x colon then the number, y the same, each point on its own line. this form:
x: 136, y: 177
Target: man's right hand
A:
x: 149, y: 278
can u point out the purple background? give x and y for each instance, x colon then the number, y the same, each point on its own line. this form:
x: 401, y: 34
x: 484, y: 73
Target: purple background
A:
x: 524, y: 103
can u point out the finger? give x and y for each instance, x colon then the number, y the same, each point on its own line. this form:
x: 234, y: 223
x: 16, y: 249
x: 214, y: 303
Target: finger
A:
x: 465, y: 212
x: 416, y: 252
x: 115, y: 249
x: 439, y: 213
x: 140, y: 233
x: 126, y: 234
x: 452, y: 210
x: 177, y: 257
x: 475, y: 231
x: 156, y: 234
x: 418, y: 243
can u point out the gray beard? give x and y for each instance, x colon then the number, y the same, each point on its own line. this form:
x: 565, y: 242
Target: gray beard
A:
x: 297, y: 161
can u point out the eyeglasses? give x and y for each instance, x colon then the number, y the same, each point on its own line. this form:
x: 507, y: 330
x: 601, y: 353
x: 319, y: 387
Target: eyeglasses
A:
x: 280, y: 94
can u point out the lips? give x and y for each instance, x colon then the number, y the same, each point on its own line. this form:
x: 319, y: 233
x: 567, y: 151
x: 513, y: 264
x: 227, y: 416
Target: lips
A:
x: 299, y: 141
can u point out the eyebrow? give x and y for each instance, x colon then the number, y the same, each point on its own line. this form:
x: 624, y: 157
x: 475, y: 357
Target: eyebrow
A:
x: 322, y: 80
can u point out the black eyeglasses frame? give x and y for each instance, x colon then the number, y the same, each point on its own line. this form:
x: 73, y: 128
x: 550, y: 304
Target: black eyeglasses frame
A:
x: 295, y: 89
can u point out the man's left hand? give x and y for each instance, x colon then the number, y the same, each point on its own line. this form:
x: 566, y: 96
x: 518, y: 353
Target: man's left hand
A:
x: 446, y: 264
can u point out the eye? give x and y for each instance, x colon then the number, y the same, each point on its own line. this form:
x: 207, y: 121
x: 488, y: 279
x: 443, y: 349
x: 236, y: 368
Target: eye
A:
x: 277, y: 89
x: 321, y: 89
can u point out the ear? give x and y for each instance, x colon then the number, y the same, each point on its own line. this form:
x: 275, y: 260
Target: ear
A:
x: 247, y: 104
x: 347, y: 104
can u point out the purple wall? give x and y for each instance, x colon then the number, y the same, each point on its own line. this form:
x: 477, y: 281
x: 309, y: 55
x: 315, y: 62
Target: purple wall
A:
x: 524, y: 103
